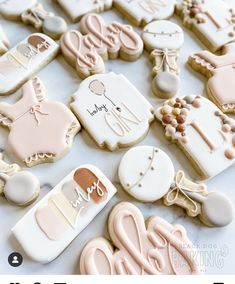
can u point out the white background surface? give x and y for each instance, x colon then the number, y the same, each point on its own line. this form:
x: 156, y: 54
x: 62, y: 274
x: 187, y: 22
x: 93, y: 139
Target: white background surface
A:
x: 217, y: 245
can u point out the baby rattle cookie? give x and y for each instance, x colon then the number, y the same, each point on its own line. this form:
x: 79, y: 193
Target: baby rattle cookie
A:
x: 40, y: 131
x: 100, y: 41
x: 52, y: 224
x: 77, y: 8
x: 112, y: 110
x: 164, y: 39
x: 220, y: 71
x: 4, y: 42
x: 213, y: 22
x: 24, y: 60
x: 157, y: 248
x: 33, y: 13
x: 142, y: 12
x: 202, y: 131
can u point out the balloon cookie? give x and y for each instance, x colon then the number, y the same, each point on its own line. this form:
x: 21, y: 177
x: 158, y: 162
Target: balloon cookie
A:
x: 52, y: 224
x: 164, y: 39
x: 154, y: 249
x: 4, y: 42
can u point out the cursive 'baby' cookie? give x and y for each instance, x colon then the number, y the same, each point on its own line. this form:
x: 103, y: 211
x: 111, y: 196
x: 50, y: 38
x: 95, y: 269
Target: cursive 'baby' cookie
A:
x: 112, y: 110
x: 4, y: 42
x: 40, y: 131
x: 52, y: 224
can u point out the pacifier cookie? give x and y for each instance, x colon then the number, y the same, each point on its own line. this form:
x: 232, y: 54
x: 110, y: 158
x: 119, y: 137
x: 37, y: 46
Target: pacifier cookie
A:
x: 4, y: 42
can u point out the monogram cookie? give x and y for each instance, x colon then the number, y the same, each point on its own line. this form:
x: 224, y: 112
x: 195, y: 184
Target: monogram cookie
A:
x: 4, y: 42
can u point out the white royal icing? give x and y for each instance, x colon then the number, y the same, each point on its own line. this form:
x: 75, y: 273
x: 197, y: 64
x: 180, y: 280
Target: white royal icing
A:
x: 14, y: 8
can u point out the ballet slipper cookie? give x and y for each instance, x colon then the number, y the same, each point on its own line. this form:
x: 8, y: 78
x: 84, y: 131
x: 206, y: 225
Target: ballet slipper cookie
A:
x: 40, y: 131
x: 4, y: 42
x: 163, y: 40
x: 99, y: 41
x: 147, y: 174
x: 52, y: 224
x: 142, y: 12
x: 220, y: 71
x: 136, y: 248
x: 33, y: 13
x: 24, y: 60
x: 213, y: 22
x: 77, y: 8
x: 112, y: 110
x: 202, y: 131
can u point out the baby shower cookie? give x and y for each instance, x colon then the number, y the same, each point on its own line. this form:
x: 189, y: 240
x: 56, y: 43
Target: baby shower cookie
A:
x: 213, y: 22
x: 4, y: 42
x: 112, y: 110
x: 164, y: 39
x: 24, y: 60
x: 78, y: 8
x: 136, y: 248
x: 202, y: 131
x: 52, y: 224
x: 220, y: 71
x: 33, y: 13
x: 40, y: 131
x: 100, y: 41
x: 142, y: 12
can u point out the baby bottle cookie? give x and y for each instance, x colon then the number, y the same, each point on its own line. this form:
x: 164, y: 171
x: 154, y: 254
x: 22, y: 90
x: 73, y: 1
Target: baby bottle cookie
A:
x: 4, y: 42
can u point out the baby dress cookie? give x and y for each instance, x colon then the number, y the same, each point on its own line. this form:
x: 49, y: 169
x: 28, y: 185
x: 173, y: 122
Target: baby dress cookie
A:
x: 148, y: 174
x: 52, y: 224
x: 112, y: 110
x: 142, y: 12
x: 202, y: 131
x: 4, y: 42
x: 164, y: 39
x: 136, y: 248
x: 78, y: 8
x: 220, y: 71
x: 24, y: 60
x: 213, y: 22
x: 100, y: 41
x: 40, y: 131
x: 33, y: 13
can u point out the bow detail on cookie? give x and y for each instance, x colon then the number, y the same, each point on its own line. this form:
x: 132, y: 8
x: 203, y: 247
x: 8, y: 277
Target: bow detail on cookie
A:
x: 165, y: 62
x: 36, y: 110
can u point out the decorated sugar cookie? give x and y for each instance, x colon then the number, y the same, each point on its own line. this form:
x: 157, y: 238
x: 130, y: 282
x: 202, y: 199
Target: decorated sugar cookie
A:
x: 52, y: 224
x: 142, y: 12
x: 4, y: 42
x: 164, y: 39
x: 112, y: 110
x: 213, y: 22
x: 31, y: 12
x: 205, y: 134
x: 40, y: 131
x: 86, y: 52
x: 158, y: 248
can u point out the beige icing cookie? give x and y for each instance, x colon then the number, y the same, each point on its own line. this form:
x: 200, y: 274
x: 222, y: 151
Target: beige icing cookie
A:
x: 99, y: 41
x: 154, y: 248
x: 4, y: 42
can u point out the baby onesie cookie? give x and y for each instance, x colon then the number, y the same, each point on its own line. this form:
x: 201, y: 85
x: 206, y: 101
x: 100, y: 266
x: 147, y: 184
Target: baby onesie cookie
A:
x: 202, y: 131
x: 77, y: 8
x: 112, y: 110
x: 52, y: 224
x: 33, y: 13
x: 24, y: 60
x: 164, y: 39
x: 213, y: 22
x: 40, y: 131
x: 220, y: 71
x: 157, y: 248
x: 100, y: 41
x: 4, y: 42
x: 142, y: 12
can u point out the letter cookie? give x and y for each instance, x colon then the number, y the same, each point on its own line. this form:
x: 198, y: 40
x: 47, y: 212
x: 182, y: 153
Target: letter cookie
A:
x: 163, y: 39
x: 86, y: 52
x: 142, y: 12
x: 158, y: 248
x: 4, y: 42
x: 206, y: 135
x: 52, y: 224
x: 112, y: 110
x: 40, y: 131
x: 212, y: 21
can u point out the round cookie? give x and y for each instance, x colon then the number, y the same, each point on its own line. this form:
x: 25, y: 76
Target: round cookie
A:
x: 54, y: 26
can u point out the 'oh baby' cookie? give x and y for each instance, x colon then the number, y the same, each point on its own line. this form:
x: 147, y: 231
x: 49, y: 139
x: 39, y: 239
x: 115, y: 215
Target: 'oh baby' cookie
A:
x: 205, y: 134
x: 112, y: 110
x: 4, y: 42
x: 40, y: 131
x: 136, y: 248
x: 52, y: 224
